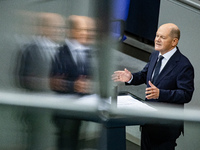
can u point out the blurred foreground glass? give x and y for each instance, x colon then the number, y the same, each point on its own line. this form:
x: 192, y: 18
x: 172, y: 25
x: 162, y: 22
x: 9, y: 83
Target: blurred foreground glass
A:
x: 48, y: 94
x: 39, y: 108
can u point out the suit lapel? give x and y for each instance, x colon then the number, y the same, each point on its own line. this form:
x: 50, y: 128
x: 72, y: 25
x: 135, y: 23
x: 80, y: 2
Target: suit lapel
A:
x: 171, y: 64
x: 152, y: 65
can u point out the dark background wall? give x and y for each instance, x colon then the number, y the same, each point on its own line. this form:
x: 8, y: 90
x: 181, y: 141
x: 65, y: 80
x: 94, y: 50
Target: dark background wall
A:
x: 143, y: 17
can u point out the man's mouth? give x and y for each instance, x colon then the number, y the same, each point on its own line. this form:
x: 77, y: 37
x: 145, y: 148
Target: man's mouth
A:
x: 158, y: 44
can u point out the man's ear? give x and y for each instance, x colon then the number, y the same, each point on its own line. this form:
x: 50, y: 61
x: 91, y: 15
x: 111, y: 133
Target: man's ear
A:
x: 174, y: 42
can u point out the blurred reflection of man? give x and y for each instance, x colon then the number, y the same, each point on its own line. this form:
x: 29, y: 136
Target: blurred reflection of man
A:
x: 172, y: 82
x: 37, y: 55
x: 34, y: 69
x: 71, y: 73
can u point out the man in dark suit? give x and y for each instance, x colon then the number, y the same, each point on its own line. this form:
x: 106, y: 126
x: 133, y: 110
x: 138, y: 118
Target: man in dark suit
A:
x: 35, y: 59
x: 173, y: 83
x: 37, y: 55
x: 71, y: 74
x: 71, y: 70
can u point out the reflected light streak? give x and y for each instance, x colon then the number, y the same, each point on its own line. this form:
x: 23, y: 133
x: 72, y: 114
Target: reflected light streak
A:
x: 166, y: 112
x: 89, y: 105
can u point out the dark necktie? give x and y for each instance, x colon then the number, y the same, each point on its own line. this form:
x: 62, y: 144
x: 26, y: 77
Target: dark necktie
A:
x: 82, y: 60
x: 157, y: 69
x: 79, y: 60
x: 87, y: 61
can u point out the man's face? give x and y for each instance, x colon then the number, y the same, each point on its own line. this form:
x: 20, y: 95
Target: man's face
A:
x: 52, y: 27
x: 84, y: 31
x: 80, y: 32
x: 163, y: 40
x: 54, y: 31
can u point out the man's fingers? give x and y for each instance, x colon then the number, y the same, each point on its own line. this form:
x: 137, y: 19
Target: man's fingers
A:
x: 118, y: 72
x: 116, y: 76
x: 151, y: 84
x: 127, y: 71
x: 151, y: 96
x: 150, y: 92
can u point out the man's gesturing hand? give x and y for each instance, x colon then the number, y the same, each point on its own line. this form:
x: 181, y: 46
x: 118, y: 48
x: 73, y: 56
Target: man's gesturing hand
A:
x: 152, y: 92
x: 122, y: 76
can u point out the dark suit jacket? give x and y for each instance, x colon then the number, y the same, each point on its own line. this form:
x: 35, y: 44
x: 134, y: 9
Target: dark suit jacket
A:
x: 34, y: 67
x: 65, y: 67
x: 176, y: 84
x: 176, y: 80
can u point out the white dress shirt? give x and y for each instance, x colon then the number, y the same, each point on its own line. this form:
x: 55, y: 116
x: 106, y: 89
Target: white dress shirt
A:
x: 76, y: 49
x: 166, y: 58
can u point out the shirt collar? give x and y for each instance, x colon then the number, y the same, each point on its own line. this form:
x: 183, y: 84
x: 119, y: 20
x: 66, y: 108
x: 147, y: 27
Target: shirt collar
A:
x: 75, y: 45
x: 46, y: 42
x: 169, y: 54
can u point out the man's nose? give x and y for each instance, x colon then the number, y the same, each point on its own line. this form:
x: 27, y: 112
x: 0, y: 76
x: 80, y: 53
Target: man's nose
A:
x: 158, y: 39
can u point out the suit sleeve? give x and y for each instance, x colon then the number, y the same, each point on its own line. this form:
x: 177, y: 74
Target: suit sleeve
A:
x: 183, y: 91
x: 141, y: 76
x: 59, y: 80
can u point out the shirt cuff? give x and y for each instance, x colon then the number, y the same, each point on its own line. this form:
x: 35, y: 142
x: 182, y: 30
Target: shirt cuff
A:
x: 130, y: 79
